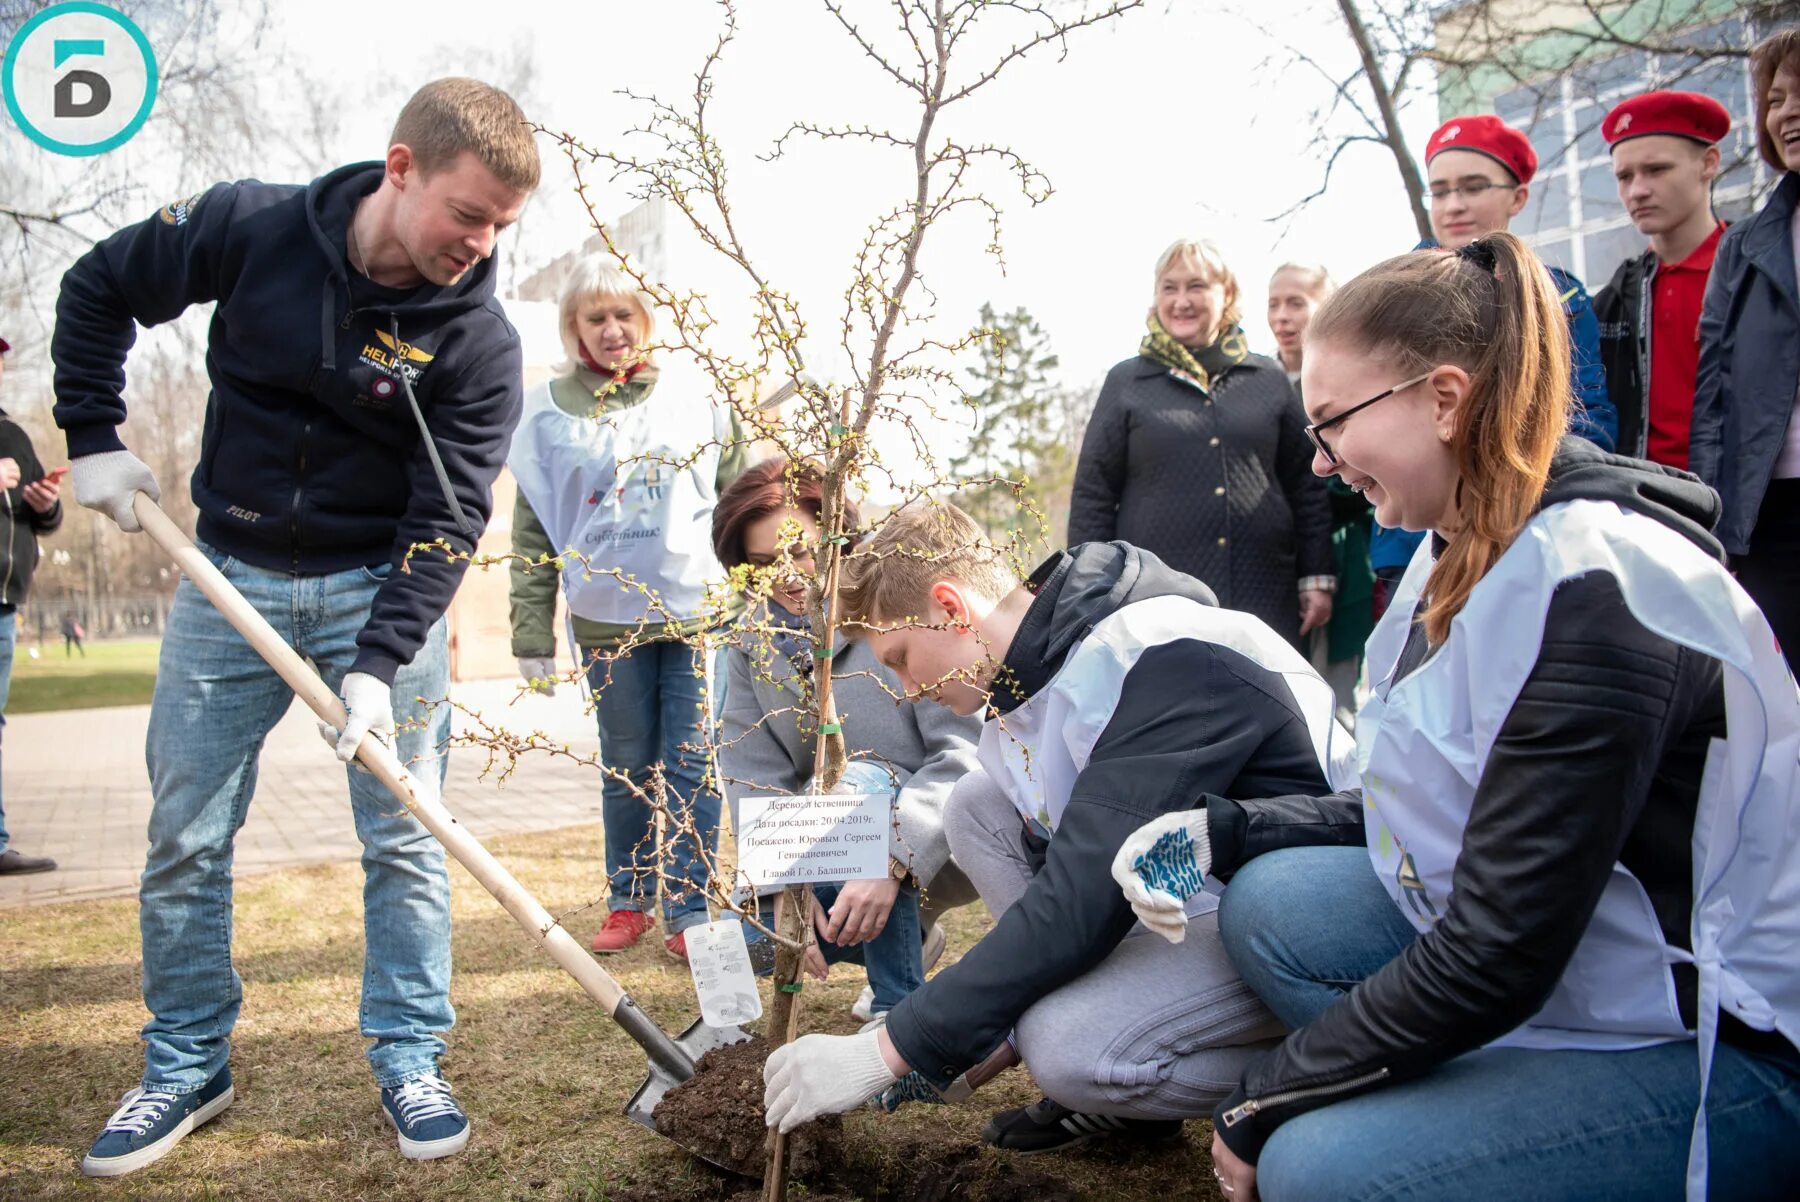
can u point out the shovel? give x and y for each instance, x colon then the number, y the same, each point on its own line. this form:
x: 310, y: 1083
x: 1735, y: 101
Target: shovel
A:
x: 671, y: 1060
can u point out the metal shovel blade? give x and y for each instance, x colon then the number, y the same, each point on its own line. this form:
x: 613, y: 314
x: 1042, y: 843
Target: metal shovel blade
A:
x: 696, y: 1041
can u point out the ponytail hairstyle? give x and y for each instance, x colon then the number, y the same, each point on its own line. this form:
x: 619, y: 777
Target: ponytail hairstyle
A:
x: 1491, y: 310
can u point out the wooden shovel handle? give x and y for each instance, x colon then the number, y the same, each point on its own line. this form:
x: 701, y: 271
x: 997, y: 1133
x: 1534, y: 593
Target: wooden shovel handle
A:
x: 417, y: 796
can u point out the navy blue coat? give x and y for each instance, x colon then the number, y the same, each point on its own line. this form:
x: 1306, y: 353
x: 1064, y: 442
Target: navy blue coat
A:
x: 1223, y: 493
x: 1749, y: 363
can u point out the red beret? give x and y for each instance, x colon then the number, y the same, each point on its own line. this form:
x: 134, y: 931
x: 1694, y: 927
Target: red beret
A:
x: 1486, y: 134
x: 1681, y: 114
x: 4, y: 346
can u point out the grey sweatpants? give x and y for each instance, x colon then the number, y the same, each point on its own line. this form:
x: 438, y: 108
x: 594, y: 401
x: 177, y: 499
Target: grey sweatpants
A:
x: 1156, y: 1030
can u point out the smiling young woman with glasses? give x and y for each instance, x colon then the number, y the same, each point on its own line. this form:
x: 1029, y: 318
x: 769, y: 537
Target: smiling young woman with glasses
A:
x: 1315, y: 432
x: 1563, y: 895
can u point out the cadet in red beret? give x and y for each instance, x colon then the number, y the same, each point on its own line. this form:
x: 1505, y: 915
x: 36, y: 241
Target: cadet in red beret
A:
x: 1479, y: 170
x: 1665, y: 158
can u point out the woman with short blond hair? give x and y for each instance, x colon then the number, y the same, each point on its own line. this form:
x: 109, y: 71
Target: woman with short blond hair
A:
x: 1196, y: 452
x: 622, y: 461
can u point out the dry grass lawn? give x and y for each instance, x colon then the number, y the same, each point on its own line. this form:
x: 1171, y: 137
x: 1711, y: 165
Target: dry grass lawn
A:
x: 542, y: 1071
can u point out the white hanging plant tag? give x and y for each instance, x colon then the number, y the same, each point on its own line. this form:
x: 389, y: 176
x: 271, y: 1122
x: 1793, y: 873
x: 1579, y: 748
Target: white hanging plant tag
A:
x: 723, y: 979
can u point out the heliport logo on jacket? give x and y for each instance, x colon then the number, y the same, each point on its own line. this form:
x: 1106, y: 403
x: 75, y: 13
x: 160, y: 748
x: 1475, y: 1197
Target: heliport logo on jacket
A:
x: 79, y: 79
x: 393, y: 356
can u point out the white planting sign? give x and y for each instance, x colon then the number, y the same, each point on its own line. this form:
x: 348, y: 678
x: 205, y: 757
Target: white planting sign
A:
x: 813, y: 839
x: 723, y: 979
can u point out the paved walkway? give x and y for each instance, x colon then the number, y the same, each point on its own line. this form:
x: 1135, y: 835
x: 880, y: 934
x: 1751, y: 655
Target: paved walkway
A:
x: 77, y: 789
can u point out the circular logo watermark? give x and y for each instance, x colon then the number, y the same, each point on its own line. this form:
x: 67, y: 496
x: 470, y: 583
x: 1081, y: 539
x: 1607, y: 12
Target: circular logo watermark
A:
x: 79, y: 78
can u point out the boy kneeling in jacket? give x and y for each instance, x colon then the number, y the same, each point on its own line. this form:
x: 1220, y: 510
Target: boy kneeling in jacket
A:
x: 1114, y: 690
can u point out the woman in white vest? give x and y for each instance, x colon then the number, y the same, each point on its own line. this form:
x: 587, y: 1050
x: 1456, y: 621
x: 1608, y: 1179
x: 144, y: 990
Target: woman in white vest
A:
x: 1551, y: 947
x: 619, y: 461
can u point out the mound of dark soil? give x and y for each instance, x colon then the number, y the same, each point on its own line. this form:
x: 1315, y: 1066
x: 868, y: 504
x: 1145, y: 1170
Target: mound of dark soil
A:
x: 720, y: 1115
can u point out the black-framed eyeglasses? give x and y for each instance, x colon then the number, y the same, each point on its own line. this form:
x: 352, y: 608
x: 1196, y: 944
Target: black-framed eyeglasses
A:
x: 1315, y: 433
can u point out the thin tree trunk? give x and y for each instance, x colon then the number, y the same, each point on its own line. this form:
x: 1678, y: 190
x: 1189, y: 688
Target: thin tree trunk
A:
x: 794, y: 922
x: 1390, y: 117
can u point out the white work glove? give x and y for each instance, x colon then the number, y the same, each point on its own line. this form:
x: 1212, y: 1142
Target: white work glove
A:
x: 1161, y: 865
x: 371, y: 706
x: 539, y: 673
x: 823, y: 1074
x: 110, y: 481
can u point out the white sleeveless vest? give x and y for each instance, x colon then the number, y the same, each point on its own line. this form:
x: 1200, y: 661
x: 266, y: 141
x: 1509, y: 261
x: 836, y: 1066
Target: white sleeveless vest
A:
x: 1036, y: 751
x: 631, y: 491
x: 1423, y: 743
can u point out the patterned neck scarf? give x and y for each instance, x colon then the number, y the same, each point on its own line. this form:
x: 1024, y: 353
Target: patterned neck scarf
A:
x: 1225, y: 352
x: 791, y: 636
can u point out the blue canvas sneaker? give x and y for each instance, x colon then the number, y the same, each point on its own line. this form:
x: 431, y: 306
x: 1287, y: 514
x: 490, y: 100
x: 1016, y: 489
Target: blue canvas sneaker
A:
x: 428, y: 1119
x: 148, y: 1124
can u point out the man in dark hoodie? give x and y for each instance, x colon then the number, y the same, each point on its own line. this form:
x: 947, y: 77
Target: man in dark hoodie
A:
x: 365, y: 383
x: 1116, y: 690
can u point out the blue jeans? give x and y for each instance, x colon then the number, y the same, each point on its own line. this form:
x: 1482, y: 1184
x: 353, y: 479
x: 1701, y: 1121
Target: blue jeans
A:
x: 9, y: 624
x: 893, y: 958
x: 215, y: 703
x: 1304, y: 925
x: 651, y: 709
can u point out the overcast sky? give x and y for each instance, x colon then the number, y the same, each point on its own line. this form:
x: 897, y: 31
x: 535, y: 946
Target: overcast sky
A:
x: 1176, y: 118
x: 1180, y: 118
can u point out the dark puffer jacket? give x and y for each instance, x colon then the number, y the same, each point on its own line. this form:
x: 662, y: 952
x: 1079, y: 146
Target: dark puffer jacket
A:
x: 1218, y: 485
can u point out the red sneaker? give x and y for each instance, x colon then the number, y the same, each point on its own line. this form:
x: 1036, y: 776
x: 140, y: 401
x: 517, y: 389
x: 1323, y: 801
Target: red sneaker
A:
x: 676, y: 945
x: 621, y: 929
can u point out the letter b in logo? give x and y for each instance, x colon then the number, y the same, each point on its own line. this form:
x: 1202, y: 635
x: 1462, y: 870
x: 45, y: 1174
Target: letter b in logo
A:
x: 79, y: 78
x: 99, y: 92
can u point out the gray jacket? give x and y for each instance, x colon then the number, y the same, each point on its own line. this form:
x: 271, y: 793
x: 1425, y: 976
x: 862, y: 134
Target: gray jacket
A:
x: 765, y: 749
x: 1749, y: 363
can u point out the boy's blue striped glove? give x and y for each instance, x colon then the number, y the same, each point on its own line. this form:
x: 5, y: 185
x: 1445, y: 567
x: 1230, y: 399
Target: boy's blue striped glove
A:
x: 1160, y: 866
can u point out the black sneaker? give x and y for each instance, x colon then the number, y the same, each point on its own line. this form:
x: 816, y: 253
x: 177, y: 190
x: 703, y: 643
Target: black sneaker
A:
x: 1048, y: 1127
x: 148, y: 1124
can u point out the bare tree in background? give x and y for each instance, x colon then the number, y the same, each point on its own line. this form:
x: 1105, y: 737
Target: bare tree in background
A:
x: 220, y: 94
x: 1499, y: 45
x: 217, y: 101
